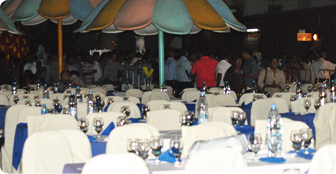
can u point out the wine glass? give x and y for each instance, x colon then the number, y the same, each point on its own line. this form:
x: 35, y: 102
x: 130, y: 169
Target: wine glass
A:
x: 167, y: 106
x: 190, y: 117
x: 110, y: 100
x: 292, y: 98
x: 255, y: 97
x: 176, y: 147
x: 309, y: 88
x: 156, y: 143
x: 306, y: 105
x: 121, y: 121
x: 234, y: 117
x: 143, y: 148
x: 126, y: 110
x: 307, y: 135
x: 38, y: 103
x: 241, y: 118
x: 28, y: 103
x: 255, y: 144
x: 287, y: 88
x: 296, y: 140
x: 16, y: 99
x: 98, y: 123
x: 145, y: 109
x: 83, y: 124
x: 278, y: 96
x: 317, y: 104
x: 183, y: 120
x: 132, y: 145
x: 127, y: 99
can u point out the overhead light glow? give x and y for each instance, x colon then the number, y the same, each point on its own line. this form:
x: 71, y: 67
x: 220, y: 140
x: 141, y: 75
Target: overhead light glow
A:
x: 253, y: 30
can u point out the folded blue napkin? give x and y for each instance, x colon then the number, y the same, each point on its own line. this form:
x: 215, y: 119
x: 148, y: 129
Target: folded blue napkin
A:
x: 109, y: 128
x: 273, y: 160
x: 136, y: 120
x: 91, y: 138
x: 168, y: 157
x: 302, y: 155
x: 246, y: 129
x: 21, y: 134
x: 105, y: 110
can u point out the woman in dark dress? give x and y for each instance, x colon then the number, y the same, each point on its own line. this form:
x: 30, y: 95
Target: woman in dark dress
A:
x: 234, y: 76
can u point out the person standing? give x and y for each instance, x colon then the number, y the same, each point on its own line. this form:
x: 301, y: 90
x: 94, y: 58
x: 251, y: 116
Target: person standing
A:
x: 30, y: 65
x: 321, y: 64
x: 183, y: 68
x: 221, y: 69
x: 205, y: 70
x: 235, y: 77
x: 170, y: 69
x: 111, y: 69
x: 96, y: 66
x: 250, y: 67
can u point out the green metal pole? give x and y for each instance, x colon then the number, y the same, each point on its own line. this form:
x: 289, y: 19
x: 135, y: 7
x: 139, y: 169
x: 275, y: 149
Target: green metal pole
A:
x: 161, y: 58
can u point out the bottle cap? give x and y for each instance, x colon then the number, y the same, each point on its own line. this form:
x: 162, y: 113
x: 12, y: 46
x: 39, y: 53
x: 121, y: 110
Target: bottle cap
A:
x: 72, y: 93
x: 332, y: 81
x: 273, y: 106
x: 299, y: 83
x: 90, y: 92
x: 44, y: 105
x: 77, y: 87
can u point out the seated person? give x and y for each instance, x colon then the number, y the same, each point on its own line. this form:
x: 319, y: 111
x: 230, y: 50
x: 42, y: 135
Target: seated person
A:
x: 75, y: 79
x: 272, y: 79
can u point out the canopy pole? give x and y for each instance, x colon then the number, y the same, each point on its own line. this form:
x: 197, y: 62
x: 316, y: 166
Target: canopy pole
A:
x: 161, y: 58
x: 60, y: 48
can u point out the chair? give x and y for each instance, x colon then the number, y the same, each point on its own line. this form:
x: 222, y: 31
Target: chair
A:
x: 159, y: 96
x: 281, y: 104
x: 144, y: 87
x: 249, y: 98
x: 116, y: 106
x: 113, y: 98
x: 66, y: 101
x: 190, y: 89
x: 132, y: 99
x: 297, y: 105
x: 99, y: 90
x: 155, y: 105
x: 108, y: 87
x: 285, y: 95
x: 11, y: 121
x: 4, y: 100
x: 181, y: 107
x: 186, y: 91
x: 170, y: 92
x: 243, y: 98
x: 118, y: 163
x: 8, y: 94
x: 28, y: 111
x: 324, y: 160
x: 214, y: 160
x: 50, y: 122
x: 215, y: 89
x: 6, y: 87
x: 146, y: 97
x: 287, y: 127
x: 164, y: 120
x: 48, y: 152
x: 124, y: 87
x: 224, y: 114
x: 206, y: 131
x: 117, y: 140
x: 134, y: 93
x: 260, y: 110
x: 108, y: 117
x: 192, y: 96
x: 21, y: 97
x: 324, y: 123
x: 223, y: 100
x: 305, y: 87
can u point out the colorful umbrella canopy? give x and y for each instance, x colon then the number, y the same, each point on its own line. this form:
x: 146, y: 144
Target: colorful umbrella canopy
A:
x: 6, y: 24
x: 146, y: 17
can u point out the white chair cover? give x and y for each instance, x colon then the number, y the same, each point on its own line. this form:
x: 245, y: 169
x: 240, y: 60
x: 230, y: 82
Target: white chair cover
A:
x: 28, y: 111
x: 108, y: 117
x: 287, y: 127
x: 249, y: 98
x: 11, y: 121
x: 4, y: 100
x: 132, y: 99
x: 134, y: 93
x: 186, y: 91
x: 151, y: 87
x: 285, y: 95
x: 123, y: 87
x: 99, y: 90
x: 224, y: 114
x: 6, y: 87
x: 223, y: 100
x: 156, y: 104
x: 206, y: 131
x: 192, y: 96
x: 48, y: 152
x: 50, y: 122
x: 190, y: 89
x: 81, y: 110
x: 281, y: 104
x: 8, y: 94
x: 176, y: 106
x: 159, y: 96
x: 114, y: 99
x: 215, y: 89
x: 22, y: 97
x: 236, y: 170
x: 214, y: 160
x: 297, y: 105
x: 66, y: 101
x: 305, y: 87
x: 135, y: 111
x: 324, y: 160
x: 118, y: 163
x: 243, y: 98
x: 260, y: 110
x: 146, y: 97
x: 108, y: 87
x: 324, y: 123
x: 117, y: 140
x: 164, y: 120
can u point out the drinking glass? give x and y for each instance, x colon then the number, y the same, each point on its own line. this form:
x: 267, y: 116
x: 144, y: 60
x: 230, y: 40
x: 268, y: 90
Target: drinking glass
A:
x: 190, y: 117
x: 183, y: 120
x: 307, y: 135
x: 16, y: 99
x: 254, y: 144
x: 126, y: 110
x: 234, y: 117
x: 65, y: 110
x: 36, y: 97
x: 38, y: 103
x: 28, y: 103
x: 110, y: 100
x: 132, y: 145
x: 98, y: 123
x: 296, y: 140
x: 241, y: 118
x: 292, y: 98
x: 287, y: 88
x: 143, y: 148
x: 310, y: 88
x: 306, y: 105
x: 121, y: 121
x: 176, y: 147
x: 156, y: 143
x: 145, y: 109
x: 83, y: 124
x: 127, y: 99
x: 317, y: 104
x: 255, y: 97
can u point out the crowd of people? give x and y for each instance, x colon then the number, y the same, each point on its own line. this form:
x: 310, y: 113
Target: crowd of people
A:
x: 182, y: 69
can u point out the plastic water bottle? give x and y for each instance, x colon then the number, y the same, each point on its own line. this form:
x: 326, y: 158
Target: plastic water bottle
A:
x: 56, y: 87
x: 147, y: 85
x: 91, y: 103
x: 323, y: 94
x: 79, y: 95
x: 274, y: 133
x: 38, y: 84
x: 228, y: 88
x: 44, y: 109
x: 254, y: 87
x: 202, y: 108
x: 298, y: 90
x: 332, y: 91
x: 224, y: 89
x: 14, y: 87
x: 70, y: 84
x: 72, y: 105
x: 46, y: 91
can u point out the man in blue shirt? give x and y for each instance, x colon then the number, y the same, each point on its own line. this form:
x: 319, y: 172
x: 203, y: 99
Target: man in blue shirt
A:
x: 183, y: 68
x: 170, y: 69
x: 250, y: 67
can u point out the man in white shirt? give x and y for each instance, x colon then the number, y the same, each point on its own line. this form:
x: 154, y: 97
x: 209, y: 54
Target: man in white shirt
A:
x: 322, y: 64
x: 221, y: 69
x: 183, y: 68
x: 98, y: 74
x: 30, y: 65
